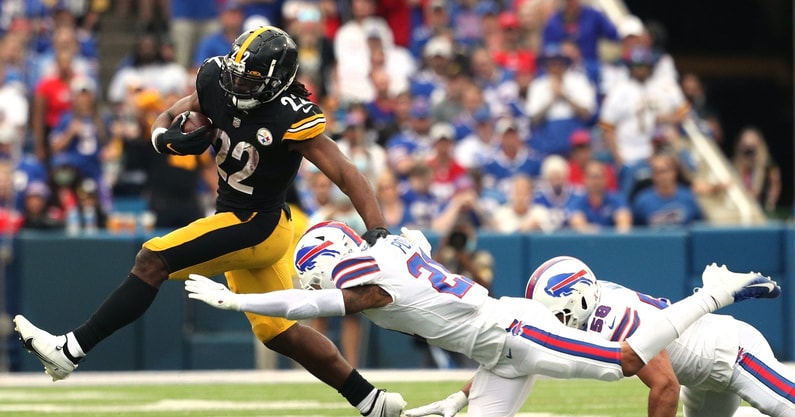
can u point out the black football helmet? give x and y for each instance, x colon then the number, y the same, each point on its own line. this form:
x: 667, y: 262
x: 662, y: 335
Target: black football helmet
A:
x: 261, y: 65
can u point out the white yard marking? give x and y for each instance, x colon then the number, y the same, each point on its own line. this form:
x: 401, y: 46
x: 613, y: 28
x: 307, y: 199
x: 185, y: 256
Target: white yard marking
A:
x: 17, y: 380
x: 167, y: 405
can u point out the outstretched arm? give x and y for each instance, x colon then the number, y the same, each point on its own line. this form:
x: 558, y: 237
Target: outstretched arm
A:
x: 292, y: 304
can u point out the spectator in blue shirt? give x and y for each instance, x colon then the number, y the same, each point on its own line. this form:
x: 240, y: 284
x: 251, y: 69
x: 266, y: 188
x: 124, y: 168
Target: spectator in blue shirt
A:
x: 78, y: 138
x: 435, y: 21
x: 431, y: 81
x: 583, y: 24
x: 667, y: 202
x: 559, y: 101
x: 218, y: 42
x: 412, y: 143
x: 598, y: 208
x: 554, y: 191
x: 513, y: 157
x: 272, y: 10
x: 421, y: 204
x: 190, y: 21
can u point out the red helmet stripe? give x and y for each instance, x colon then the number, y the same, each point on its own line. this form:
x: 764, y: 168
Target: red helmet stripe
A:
x: 341, y: 226
x: 314, y: 251
x: 573, y: 277
x: 531, y: 284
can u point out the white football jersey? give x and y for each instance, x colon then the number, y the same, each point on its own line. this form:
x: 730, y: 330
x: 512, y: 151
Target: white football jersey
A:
x: 703, y: 356
x: 448, y: 310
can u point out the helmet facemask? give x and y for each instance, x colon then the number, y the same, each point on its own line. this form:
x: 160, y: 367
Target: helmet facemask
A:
x: 578, y: 309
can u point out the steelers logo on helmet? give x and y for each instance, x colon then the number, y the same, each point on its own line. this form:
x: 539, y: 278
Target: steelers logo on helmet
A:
x: 261, y: 65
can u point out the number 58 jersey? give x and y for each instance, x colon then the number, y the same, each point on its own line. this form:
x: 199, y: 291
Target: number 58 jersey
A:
x: 255, y: 166
x: 702, y: 356
x: 448, y: 310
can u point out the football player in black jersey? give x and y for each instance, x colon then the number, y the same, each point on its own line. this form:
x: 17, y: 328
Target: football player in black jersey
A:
x: 262, y: 126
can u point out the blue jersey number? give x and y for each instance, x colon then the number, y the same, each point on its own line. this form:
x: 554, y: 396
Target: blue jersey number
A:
x: 441, y: 279
x: 660, y: 303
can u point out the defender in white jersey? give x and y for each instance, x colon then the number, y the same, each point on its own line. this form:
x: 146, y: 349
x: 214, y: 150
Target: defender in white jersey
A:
x: 397, y: 285
x: 718, y: 361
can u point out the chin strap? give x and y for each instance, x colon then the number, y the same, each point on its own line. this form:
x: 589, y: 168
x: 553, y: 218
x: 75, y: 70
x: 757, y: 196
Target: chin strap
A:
x: 244, y: 104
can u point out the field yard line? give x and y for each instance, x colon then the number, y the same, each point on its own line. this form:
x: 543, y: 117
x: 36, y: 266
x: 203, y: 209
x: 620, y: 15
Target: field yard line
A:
x: 224, y: 376
x: 189, y: 405
x: 169, y: 405
x: 263, y: 376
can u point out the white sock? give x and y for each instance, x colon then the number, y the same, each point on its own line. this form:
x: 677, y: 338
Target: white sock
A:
x: 368, y: 401
x: 74, y: 348
x: 721, y: 296
x: 651, y: 338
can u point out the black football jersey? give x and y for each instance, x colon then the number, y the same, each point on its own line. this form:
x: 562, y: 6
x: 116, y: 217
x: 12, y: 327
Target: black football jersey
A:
x: 255, y: 167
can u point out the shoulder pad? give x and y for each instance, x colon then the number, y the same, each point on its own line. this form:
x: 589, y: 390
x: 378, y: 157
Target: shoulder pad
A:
x: 209, y: 71
x: 308, y: 120
x: 355, y: 271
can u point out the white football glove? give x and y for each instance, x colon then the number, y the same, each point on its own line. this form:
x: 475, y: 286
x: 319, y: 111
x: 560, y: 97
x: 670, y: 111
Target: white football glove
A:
x: 447, y: 407
x: 416, y: 238
x: 213, y: 293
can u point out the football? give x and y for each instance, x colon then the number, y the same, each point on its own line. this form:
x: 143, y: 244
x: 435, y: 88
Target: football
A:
x: 196, y: 120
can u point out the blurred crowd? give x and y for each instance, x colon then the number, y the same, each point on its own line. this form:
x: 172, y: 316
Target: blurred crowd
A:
x: 467, y: 115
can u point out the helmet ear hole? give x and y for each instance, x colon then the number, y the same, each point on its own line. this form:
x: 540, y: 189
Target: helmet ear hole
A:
x: 584, y: 303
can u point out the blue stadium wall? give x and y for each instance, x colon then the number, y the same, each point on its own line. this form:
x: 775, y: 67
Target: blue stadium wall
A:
x: 57, y: 282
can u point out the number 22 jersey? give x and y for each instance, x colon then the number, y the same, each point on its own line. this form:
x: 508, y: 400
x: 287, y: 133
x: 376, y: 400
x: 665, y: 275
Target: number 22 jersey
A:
x: 255, y: 165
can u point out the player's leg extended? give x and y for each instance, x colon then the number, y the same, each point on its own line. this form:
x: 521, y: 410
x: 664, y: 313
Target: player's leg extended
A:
x: 208, y: 246
x: 760, y: 378
x: 721, y: 288
x: 206, y: 242
x: 495, y: 396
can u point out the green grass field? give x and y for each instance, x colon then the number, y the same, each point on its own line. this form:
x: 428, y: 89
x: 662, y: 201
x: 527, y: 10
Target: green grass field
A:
x: 199, y: 395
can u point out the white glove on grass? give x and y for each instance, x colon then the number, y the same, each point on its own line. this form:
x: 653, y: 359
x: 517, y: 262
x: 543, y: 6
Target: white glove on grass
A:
x: 447, y: 407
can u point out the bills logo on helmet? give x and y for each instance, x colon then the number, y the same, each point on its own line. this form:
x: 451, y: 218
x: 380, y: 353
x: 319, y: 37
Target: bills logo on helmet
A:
x: 563, y: 284
x: 307, y: 256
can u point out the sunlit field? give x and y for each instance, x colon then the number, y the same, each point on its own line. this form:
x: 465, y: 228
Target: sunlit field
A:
x: 281, y: 393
